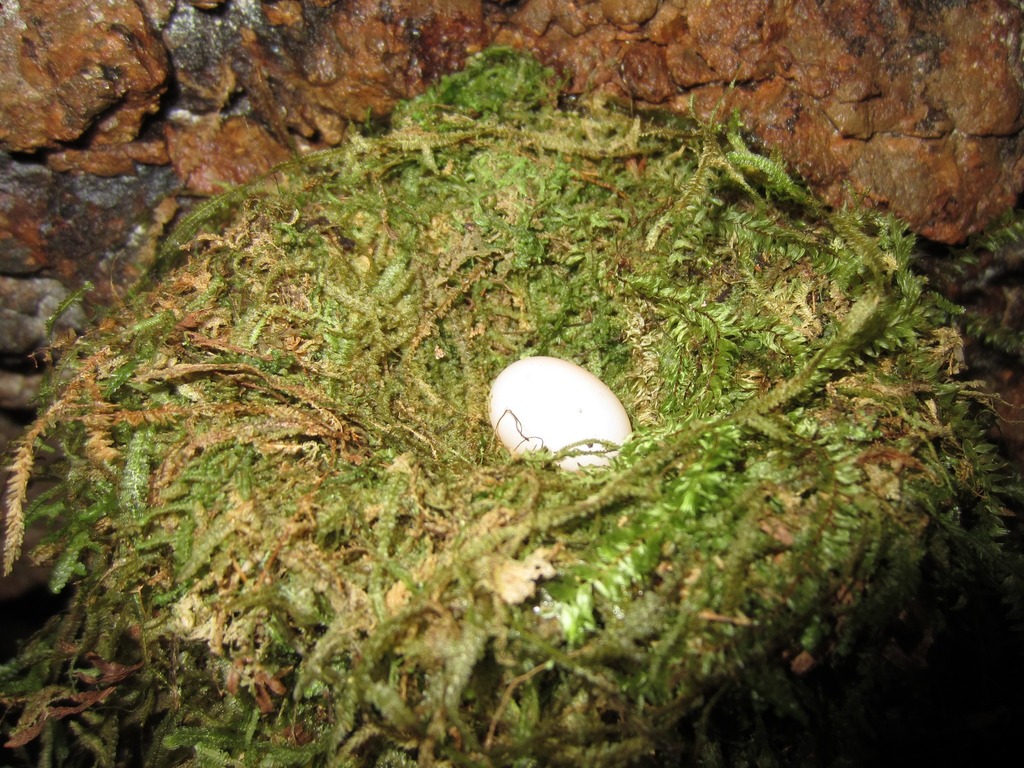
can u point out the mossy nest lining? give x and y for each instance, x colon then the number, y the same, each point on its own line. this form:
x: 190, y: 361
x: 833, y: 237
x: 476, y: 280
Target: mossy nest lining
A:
x: 295, y: 538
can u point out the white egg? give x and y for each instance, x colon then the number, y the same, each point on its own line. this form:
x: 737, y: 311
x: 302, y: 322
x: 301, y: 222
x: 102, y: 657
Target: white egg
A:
x: 545, y: 402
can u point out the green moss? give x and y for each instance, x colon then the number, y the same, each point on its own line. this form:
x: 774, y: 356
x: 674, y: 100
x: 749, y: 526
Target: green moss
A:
x: 294, y: 538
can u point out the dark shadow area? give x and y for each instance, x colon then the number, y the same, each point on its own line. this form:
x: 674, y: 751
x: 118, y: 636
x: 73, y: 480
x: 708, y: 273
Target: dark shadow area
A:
x: 25, y: 614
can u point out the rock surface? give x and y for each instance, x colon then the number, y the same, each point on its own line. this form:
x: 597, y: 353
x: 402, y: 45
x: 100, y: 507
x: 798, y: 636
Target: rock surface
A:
x: 71, y: 69
x: 914, y: 105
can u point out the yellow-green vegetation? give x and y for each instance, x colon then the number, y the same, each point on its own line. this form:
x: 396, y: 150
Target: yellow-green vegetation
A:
x: 293, y: 538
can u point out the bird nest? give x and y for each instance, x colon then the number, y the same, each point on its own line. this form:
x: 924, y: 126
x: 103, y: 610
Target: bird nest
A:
x: 294, y: 538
